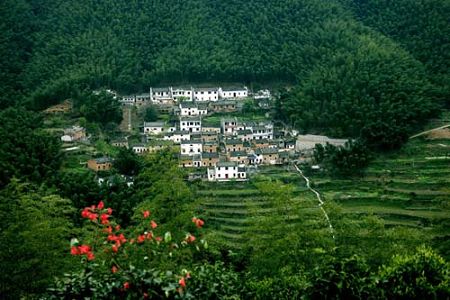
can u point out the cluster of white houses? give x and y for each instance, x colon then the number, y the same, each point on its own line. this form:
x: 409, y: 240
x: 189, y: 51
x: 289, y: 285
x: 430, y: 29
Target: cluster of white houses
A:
x: 225, y: 150
x: 172, y: 95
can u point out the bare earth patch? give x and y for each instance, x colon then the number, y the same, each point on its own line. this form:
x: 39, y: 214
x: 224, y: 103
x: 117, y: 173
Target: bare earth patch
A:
x: 439, y: 134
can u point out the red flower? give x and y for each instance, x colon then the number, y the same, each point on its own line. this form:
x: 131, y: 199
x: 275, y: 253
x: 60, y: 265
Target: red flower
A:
x: 92, y: 217
x: 104, y: 218
x: 158, y: 239
x: 146, y: 214
x: 85, y: 213
x: 108, y: 230
x: 100, y: 205
x: 84, y: 249
x: 109, y: 210
x: 182, y: 282
x: 190, y: 238
x: 114, y: 248
x: 117, y: 228
x: 74, y: 251
x: 145, y: 296
x: 126, y: 285
x: 90, y: 256
x: 188, y: 275
x: 198, y: 222
x: 149, y: 235
x: 153, y: 224
x: 114, y: 269
x: 122, y: 238
x: 141, y: 239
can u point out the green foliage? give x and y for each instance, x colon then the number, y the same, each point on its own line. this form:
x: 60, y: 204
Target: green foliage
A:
x: 26, y: 151
x: 350, y: 159
x: 34, y: 229
x: 151, y: 114
x: 377, y: 93
x: 127, y: 162
x: 422, y: 275
x: 100, y: 108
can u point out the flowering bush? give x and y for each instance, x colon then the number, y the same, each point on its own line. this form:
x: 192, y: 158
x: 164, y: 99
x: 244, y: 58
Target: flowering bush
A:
x: 139, y: 262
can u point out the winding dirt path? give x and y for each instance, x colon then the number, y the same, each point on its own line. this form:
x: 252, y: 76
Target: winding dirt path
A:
x: 319, y: 198
x: 428, y: 131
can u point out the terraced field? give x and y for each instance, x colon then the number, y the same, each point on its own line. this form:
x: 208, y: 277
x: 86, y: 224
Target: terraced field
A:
x: 230, y: 207
x: 410, y: 188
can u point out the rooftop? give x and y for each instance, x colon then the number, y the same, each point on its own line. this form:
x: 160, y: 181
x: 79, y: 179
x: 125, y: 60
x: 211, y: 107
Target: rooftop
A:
x: 154, y: 124
x: 226, y: 164
x: 190, y: 142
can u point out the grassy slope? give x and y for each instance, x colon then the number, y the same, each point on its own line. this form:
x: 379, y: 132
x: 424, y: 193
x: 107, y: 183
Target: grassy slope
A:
x: 408, y: 189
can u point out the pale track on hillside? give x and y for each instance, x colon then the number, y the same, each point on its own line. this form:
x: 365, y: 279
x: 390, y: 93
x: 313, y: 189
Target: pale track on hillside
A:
x: 319, y: 198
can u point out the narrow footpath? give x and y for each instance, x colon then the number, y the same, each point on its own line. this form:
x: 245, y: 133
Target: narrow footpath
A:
x: 319, y: 198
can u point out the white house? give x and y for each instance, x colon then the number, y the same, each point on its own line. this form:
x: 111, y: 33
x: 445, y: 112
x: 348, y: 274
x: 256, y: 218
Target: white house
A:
x: 177, y: 136
x: 191, y: 124
x: 206, y: 94
x: 263, y: 131
x: 192, y: 109
x: 262, y: 94
x: 142, y: 99
x: 179, y: 94
x: 153, y: 127
x: 233, y: 93
x: 139, y: 149
x: 189, y: 147
x: 161, y: 96
x: 229, y: 126
x: 128, y: 100
x: 225, y: 171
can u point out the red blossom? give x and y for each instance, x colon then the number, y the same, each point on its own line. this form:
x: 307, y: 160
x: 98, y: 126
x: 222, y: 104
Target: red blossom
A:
x: 153, y: 224
x: 108, y: 230
x: 84, y: 249
x: 104, y: 218
x: 149, y: 235
x: 92, y: 217
x: 141, y: 239
x: 146, y: 214
x: 188, y: 275
x: 85, y: 213
x: 109, y: 210
x: 198, y: 222
x: 114, y: 248
x: 182, y: 282
x: 74, y: 251
x: 126, y: 285
x: 114, y: 269
x: 145, y: 296
x: 100, y: 205
x: 90, y: 256
x: 190, y: 238
x: 158, y: 239
x: 117, y: 228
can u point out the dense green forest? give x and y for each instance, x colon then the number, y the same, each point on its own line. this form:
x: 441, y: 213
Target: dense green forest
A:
x: 374, y: 70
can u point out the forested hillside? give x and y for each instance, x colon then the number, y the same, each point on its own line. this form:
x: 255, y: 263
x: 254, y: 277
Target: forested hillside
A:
x: 371, y: 70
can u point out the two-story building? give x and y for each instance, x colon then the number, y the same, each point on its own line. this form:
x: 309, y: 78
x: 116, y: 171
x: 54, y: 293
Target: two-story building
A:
x: 192, y: 125
x: 226, y: 171
x: 182, y: 94
x: 241, y: 157
x: 206, y: 94
x: 100, y: 164
x: 233, y: 92
x: 223, y: 106
x: 193, y: 109
x: 232, y: 145
x: 177, y: 136
x: 263, y: 131
x: 210, y: 146
x: 267, y: 156
x: 191, y: 147
x: 210, y: 159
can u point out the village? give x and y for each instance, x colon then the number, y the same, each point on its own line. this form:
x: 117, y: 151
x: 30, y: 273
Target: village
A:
x: 208, y: 127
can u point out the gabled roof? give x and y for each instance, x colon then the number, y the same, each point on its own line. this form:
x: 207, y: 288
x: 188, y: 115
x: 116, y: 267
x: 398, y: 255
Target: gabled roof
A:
x: 238, y: 153
x: 264, y: 151
x: 233, y: 142
x: 154, y: 124
x: 226, y: 164
x: 187, y: 142
x: 188, y: 104
x: 234, y: 88
x: 103, y: 160
x: 210, y: 155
